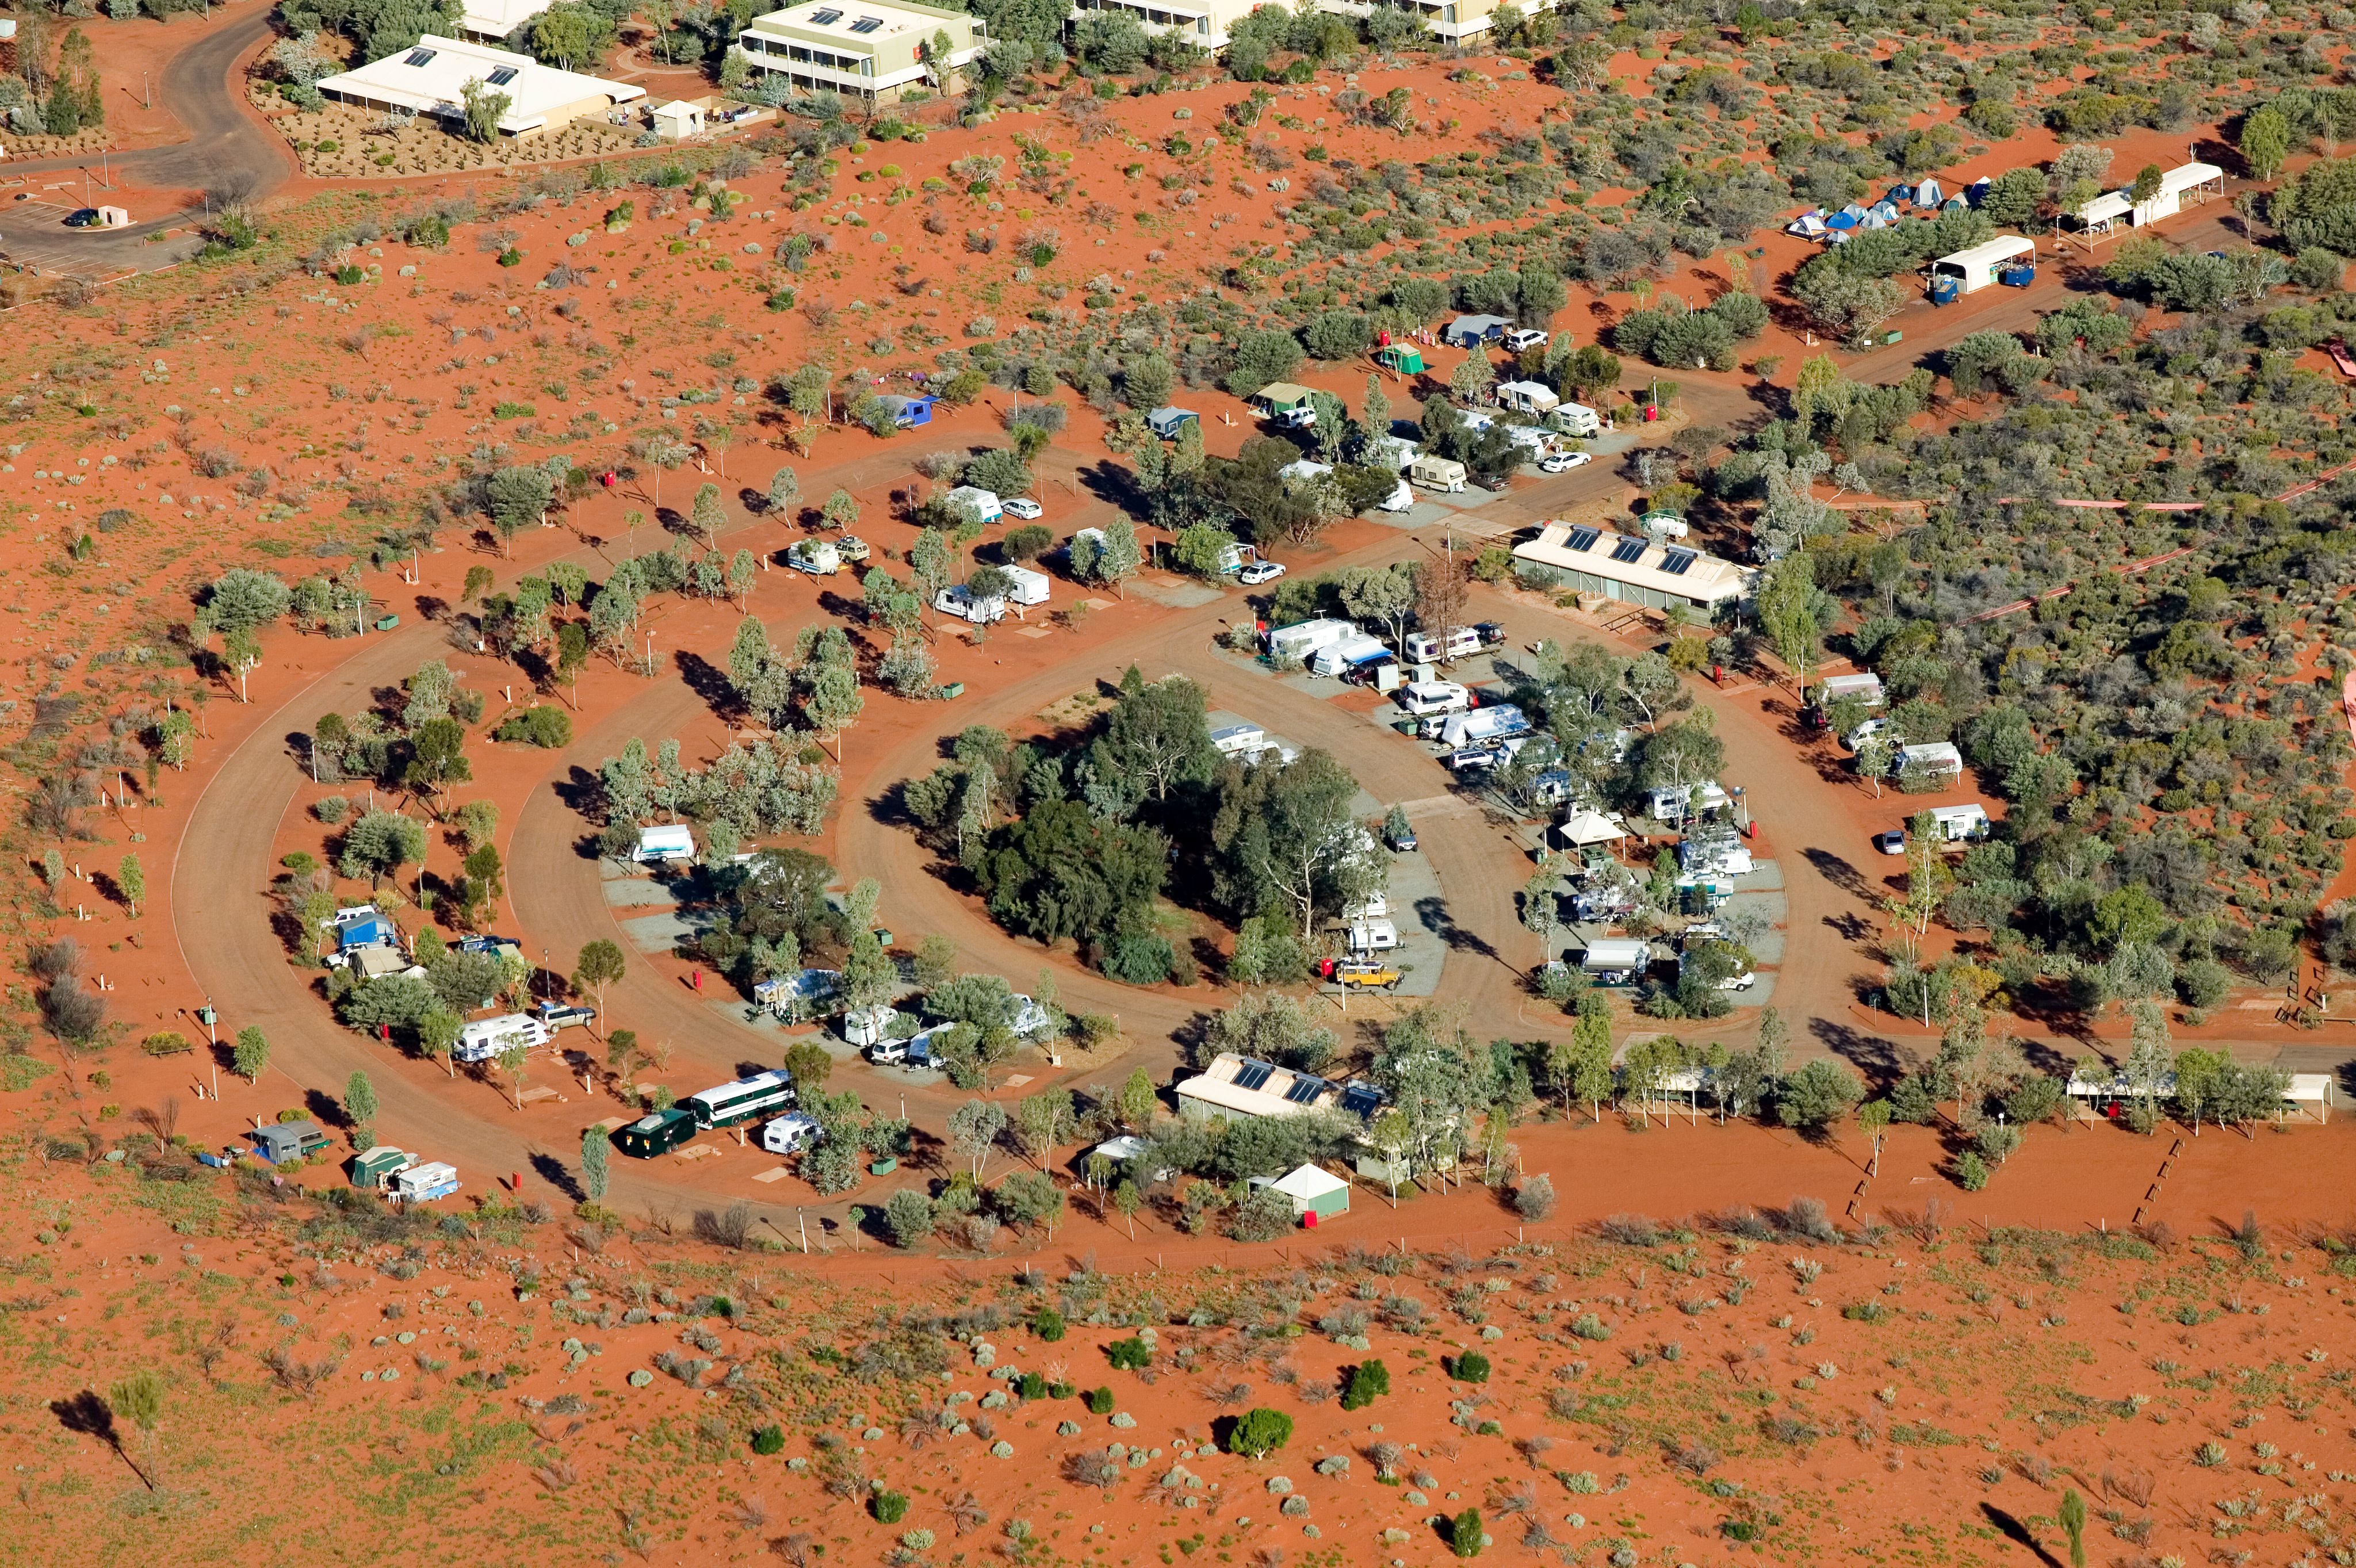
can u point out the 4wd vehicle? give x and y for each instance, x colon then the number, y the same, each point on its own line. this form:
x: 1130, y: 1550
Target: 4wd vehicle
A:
x: 1522, y: 338
x: 850, y: 547
x: 1359, y: 974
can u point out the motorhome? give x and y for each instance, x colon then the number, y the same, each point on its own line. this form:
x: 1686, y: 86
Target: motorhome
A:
x: 819, y: 557
x: 488, y: 1037
x: 1460, y: 642
x: 741, y: 1099
x: 1961, y: 825
x: 1336, y: 657
x: 1476, y: 727
x: 1575, y: 419
x: 1427, y: 698
x: 1297, y: 641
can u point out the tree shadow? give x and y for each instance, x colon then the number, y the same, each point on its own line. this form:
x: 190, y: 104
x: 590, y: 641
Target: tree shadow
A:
x: 553, y: 1171
x: 580, y: 790
x: 327, y: 1110
x: 1432, y: 913
x: 1878, y: 1059
x: 1840, y: 872
x: 2017, y: 1532
x: 710, y: 683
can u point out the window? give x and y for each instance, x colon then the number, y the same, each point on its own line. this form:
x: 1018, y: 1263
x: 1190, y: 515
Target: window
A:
x: 1584, y: 538
x: 826, y: 18
x: 1306, y: 1089
x: 1627, y: 550
x: 1253, y: 1075
x: 419, y: 57
x: 1677, y: 561
x: 502, y: 76
x: 866, y: 24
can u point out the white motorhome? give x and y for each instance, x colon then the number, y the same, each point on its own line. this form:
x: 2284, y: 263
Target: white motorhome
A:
x: 1425, y: 698
x: 488, y: 1037
x: 982, y: 504
x: 819, y: 557
x: 1239, y: 740
x: 1675, y: 803
x: 1461, y: 642
x: 1303, y: 639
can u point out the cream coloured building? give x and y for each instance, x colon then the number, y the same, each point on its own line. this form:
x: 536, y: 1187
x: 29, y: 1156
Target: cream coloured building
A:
x: 870, y: 50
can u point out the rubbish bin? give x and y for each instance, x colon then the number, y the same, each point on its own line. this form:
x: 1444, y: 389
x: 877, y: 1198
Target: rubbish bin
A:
x: 386, y: 623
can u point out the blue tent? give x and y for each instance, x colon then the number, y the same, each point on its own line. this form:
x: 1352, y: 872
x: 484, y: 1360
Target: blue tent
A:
x: 370, y: 931
x: 1928, y: 194
x: 908, y: 411
x: 1977, y: 192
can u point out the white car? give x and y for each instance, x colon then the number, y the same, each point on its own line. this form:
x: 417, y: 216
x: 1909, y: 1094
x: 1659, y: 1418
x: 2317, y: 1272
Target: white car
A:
x: 1260, y: 572
x: 1024, y: 508
x: 1563, y: 462
x: 1522, y: 338
x: 1890, y: 841
x: 1373, y: 936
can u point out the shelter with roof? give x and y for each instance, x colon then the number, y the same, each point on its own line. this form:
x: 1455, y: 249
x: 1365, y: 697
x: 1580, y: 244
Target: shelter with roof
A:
x: 1242, y: 1086
x: 1590, y: 559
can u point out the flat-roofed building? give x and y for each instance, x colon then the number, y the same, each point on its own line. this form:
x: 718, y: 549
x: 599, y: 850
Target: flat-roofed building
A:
x: 1626, y: 567
x: 875, y: 51
x: 430, y: 77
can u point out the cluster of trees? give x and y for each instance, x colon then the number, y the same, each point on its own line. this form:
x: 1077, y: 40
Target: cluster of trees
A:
x: 1697, y: 340
x: 376, y: 27
x: 1078, y: 841
x: 817, y: 682
x: 751, y: 790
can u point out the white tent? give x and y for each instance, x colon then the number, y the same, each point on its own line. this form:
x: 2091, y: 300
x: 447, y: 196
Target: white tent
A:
x: 1807, y: 225
x: 1583, y: 827
x: 1312, y: 1187
x: 1928, y: 194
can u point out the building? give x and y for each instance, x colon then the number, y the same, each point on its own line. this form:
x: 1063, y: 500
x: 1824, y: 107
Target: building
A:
x: 430, y: 79
x: 1315, y: 1192
x: 1453, y: 20
x: 874, y: 51
x: 1238, y: 1086
x: 1203, y: 23
x: 1637, y: 571
x: 677, y: 120
x: 1983, y: 264
x: 2189, y: 184
x: 496, y: 21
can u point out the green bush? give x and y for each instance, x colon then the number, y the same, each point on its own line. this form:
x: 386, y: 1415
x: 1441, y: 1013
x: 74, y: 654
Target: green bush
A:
x: 767, y: 1439
x: 1472, y: 1367
x: 1971, y: 1171
x: 1030, y: 1386
x: 1048, y: 1324
x: 1099, y: 1402
x: 1260, y: 1432
x: 890, y: 1508
x: 543, y: 726
x: 1465, y: 1534
x: 1129, y: 1355
x: 1138, y: 960
x: 1368, y: 1381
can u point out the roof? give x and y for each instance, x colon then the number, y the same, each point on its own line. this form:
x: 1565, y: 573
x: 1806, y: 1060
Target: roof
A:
x: 1584, y: 827
x: 1170, y: 413
x: 1639, y: 563
x: 678, y: 109
x: 1528, y: 388
x: 1283, y: 392
x: 2107, y: 207
x: 499, y: 18
x: 864, y: 23
x: 430, y: 78
x: 1260, y: 1088
x: 1128, y: 1146
x: 1477, y: 323
x: 2185, y: 177
x: 1308, y: 1182
x: 1930, y: 752
x: 432, y: 1174
x: 1987, y: 252
x: 668, y: 833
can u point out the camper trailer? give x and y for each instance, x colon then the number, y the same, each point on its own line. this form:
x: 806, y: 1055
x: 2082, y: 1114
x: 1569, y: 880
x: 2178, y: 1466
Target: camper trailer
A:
x: 487, y: 1039
x: 982, y: 504
x: 1030, y: 587
x: 1304, y: 638
x: 819, y: 557
x: 1445, y: 475
x: 1961, y: 825
x: 674, y: 842
x: 1575, y: 419
x: 1461, y: 642
x: 1616, y: 961
x: 958, y: 600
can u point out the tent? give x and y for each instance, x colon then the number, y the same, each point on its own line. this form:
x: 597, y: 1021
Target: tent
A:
x: 1404, y: 359
x: 1314, y: 1192
x: 1954, y: 204
x: 1977, y: 192
x: 1928, y: 194
x: 1807, y: 225
x: 1168, y: 421
x: 1583, y: 827
x: 1885, y: 210
x: 1900, y: 195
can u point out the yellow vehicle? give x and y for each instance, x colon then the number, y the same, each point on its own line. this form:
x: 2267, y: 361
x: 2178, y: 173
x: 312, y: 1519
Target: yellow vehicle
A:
x: 1361, y: 974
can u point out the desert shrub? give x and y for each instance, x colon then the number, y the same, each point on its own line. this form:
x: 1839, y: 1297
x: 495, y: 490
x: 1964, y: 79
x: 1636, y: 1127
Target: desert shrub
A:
x: 768, y: 1439
x: 1465, y: 1534
x: 1971, y: 1171
x: 544, y: 726
x: 1129, y: 1355
x: 1048, y: 1324
x: 1368, y: 1381
x: 890, y: 1508
x: 1631, y: 1230
x: 1534, y: 1199
x: 1099, y: 1402
x: 1260, y: 1432
x: 1139, y: 960
x: 1587, y: 1326
x: 1472, y: 1367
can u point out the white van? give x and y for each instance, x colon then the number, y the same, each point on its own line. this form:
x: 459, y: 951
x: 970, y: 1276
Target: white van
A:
x: 1461, y: 642
x: 483, y: 1040
x: 1426, y: 697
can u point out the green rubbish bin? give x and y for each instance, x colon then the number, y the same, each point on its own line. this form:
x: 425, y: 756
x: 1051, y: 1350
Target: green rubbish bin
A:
x: 955, y: 689
x: 386, y: 623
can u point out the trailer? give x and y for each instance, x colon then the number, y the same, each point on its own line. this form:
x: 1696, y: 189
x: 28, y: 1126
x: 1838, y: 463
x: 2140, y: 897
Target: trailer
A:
x: 959, y: 601
x: 982, y: 505
x: 1031, y: 587
x: 1960, y: 824
x: 1938, y: 759
x: 812, y: 989
x: 1529, y: 397
x: 1615, y: 960
x: 674, y: 841
x: 1865, y: 688
x: 1351, y: 651
x: 819, y: 557
x: 1304, y: 638
x: 1575, y: 419
x: 424, y: 1184
x: 1443, y: 474
x: 1478, y: 727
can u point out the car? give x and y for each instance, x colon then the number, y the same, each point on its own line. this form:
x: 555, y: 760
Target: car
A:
x: 1564, y: 462
x: 1522, y: 338
x: 1402, y: 842
x: 850, y: 547
x: 1491, y: 633
x: 565, y: 1014
x: 82, y: 218
x: 1359, y: 974
x: 1022, y: 507
x: 1257, y: 572
x: 1892, y: 841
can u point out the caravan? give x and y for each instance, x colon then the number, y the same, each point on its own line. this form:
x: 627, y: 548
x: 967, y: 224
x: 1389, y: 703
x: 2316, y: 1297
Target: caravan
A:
x: 489, y: 1038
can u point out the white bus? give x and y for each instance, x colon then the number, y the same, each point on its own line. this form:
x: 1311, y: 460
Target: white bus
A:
x: 744, y: 1100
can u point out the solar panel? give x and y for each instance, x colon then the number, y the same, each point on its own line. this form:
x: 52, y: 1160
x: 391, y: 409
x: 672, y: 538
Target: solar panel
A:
x: 1677, y: 561
x: 827, y: 18
x: 419, y: 57
x: 502, y: 76
x: 1584, y: 538
x: 1361, y: 1099
x: 866, y: 24
x: 1305, y: 1090
x: 1627, y: 550
x: 1253, y: 1075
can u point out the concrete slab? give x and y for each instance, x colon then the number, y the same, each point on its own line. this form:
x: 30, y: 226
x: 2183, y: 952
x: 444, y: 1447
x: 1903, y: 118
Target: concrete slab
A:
x: 660, y: 933
x: 775, y: 1173
x: 1178, y: 593
x: 1420, y: 910
x: 1764, y: 876
x: 638, y: 893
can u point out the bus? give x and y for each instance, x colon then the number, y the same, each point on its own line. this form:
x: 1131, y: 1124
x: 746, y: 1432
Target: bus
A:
x: 743, y: 1099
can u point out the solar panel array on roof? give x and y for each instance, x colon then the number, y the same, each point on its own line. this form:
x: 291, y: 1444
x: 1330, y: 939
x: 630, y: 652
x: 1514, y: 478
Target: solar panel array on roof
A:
x: 1305, y: 1090
x: 1627, y: 550
x: 1584, y: 538
x: 1253, y: 1075
x: 1677, y: 561
x: 1361, y: 1099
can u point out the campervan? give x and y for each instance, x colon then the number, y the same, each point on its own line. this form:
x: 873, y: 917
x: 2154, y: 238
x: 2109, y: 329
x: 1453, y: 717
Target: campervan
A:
x: 488, y: 1037
x: 1460, y: 642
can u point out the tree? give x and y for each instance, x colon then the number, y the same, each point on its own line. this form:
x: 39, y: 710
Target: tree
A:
x: 437, y: 757
x: 241, y: 653
x: 908, y: 1215
x: 1158, y: 737
x: 564, y: 35
x: 594, y: 1173
x: 2147, y: 182
x: 1368, y: 1381
x: 438, y: 1028
x: 785, y: 489
x: 484, y: 109
x: 250, y: 1055
x: 1844, y: 304
x: 1873, y: 1120
x: 2264, y: 142
x: 1816, y: 1096
x: 1465, y: 1535
x: 1042, y: 1121
x: 1260, y: 1432
x: 973, y: 1129
x: 359, y: 1104
x: 1287, y: 836
x: 600, y: 964
x: 1787, y: 610
x: 517, y: 495
x: 241, y: 599
x: 131, y: 881
x: 511, y: 1062
x: 1928, y: 875
x: 1126, y: 1201
x: 2072, y: 1517
x: 1385, y: 594
x: 809, y: 1065
x: 1137, y: 1100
